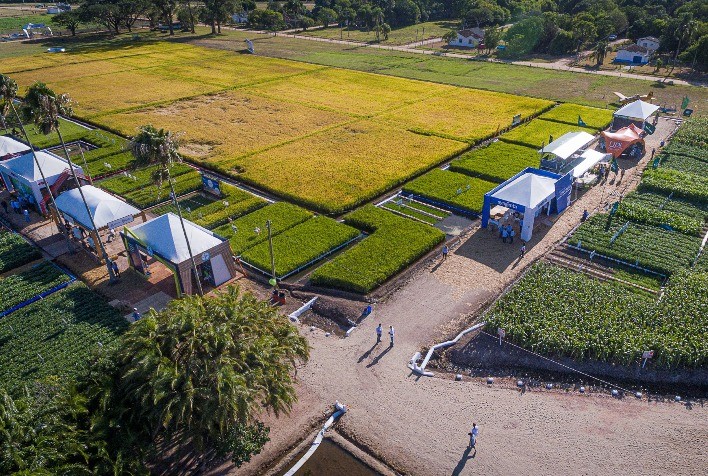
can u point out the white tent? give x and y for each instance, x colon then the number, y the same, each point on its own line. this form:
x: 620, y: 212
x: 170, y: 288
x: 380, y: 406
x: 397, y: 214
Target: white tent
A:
x: 165, y: 236
x: 107, y: 210
x: 528, y: 190
x: 638, y: 110
x: 26, y: 167
x: 10, y: 146
x: 590, y: 158
x: 568, y: 144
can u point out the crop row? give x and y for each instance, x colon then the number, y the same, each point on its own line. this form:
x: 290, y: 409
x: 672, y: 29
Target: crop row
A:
x: 31, y: 282
x: 538, y: 132
x: 56, y: 335
x: 594, y: 320
x: 681, y: 184
x: 139, y: 179
x: 451, y: 188
x: 677, y: 148
x: 650, y: 247
x: 150, y: 195
x: 684, y: 163
x: 393, y: 244
x: 568, y: 113
x: 697, y: 211
x: 693, y: 132
x: 300, y: 245
x: 15, y: 251
x: 649, y: 215
x: 497, y: 162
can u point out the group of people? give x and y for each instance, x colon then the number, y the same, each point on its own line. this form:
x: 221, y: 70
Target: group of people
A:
x: 506, y: 232
x: 379, y: 333
x: 19, y: 206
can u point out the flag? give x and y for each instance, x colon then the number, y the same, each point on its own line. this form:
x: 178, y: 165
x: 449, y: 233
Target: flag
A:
x: 581, y: 122
x: 550, y: 139
x: 613, y: 165
x: 614, y: 208
x: 649, y: 128
x: 685, y: 102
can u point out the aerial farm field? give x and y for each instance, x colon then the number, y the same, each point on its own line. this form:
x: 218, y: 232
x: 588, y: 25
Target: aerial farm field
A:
x: 322, y: 137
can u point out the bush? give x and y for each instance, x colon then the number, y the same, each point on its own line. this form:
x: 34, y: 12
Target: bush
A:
x: 497, y: 162
x: 300, y: 245
x: 451, y: 188
x: 394, y: 243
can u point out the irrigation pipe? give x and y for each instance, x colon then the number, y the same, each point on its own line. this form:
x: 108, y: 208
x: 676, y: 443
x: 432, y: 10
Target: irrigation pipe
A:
x: 340, y: 410
x: 420, y: 369
x: 295, y: 315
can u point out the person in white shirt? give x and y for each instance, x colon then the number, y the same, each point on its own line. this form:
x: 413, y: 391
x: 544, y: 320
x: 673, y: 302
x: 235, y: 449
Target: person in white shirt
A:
x: 379, y: 331
x: 391, y: 333
x: 473, y: 435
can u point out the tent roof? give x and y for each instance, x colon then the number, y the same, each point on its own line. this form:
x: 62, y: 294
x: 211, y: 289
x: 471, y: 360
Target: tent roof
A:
x: 567, y: 144
x: 590, y: 158
x: 25, y: 165
x: 626, y: 134
x: 8, y: 145
x: 165, y: 236
x: 637, y: 110
x: 105, y: 208
x: 528, y: 190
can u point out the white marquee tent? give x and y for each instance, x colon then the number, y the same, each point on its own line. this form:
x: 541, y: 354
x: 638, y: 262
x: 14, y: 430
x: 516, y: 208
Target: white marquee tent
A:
x: 638, y: 110
x: 107, y: 211
x: 10, y: 146
x: 567, y: 144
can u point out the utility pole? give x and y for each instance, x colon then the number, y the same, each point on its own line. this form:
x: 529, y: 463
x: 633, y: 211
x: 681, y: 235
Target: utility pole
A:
x: 272, y: 256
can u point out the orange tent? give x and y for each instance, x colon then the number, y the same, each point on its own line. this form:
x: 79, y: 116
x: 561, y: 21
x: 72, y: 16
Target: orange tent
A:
x: 619, y: 142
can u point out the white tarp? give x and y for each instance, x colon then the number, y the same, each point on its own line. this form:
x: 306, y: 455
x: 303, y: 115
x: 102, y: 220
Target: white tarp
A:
x: 568, y: 144
x: 105, y: 208
x: 637, y: 110
x: 529, y: 190
x: 590, y: 158
x: 165, y: 236
x: 8, y: 145
x: 26, y: 167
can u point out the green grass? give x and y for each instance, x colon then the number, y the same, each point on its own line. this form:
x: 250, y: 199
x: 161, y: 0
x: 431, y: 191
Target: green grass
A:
x: 70, y: 131
x: 683, y: 185
x: 56, y: 336
x: 641, y: 213
x: 23, y: 286
x: 15, y: 23
x: 451, y: 188
x: 497, y: 162
x: 398, y: 36
x: 242, y: 233
x: 15, y: 251
x: 637, y: 277
x: 416, y: 210
x: 300, y: 245
x: 683, y: 163
x: 150, y: 195
x: 537, y: 133
x: 394, y: 243
x: 660, y: 201
x: 594, y: 118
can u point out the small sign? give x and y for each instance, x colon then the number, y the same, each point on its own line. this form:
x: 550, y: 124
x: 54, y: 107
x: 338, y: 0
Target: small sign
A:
x: 211, y: 185
x: 687, y: 112
x: 516, y: 120
x: 647, y: 354
x: 501, y: 332
x: 684, y: 102
x: 649, y: 128
x: 249, y: 46
x: 150, y: 251
x: 120, y: 221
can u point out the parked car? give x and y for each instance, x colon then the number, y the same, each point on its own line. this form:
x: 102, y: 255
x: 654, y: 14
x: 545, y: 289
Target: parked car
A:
x: 612, y: 37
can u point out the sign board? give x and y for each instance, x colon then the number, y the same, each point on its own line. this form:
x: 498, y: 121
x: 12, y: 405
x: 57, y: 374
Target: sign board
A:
x: 120, y: 221
x: 249, y: 46
x: 211, y: 185
x: 501, y: 332
x: 649, y: 128
x: 647, y: 354
x: 516, y: 120
x: 687, y: 112
x: 684, y: 102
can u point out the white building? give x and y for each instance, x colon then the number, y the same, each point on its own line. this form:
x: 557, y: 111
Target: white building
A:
x: 633, y: 54
x: 649, y: 42
x: 469, y: 38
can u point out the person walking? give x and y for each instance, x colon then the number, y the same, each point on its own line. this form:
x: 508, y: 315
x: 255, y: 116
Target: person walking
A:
x: 391, y: 332
x: 653, y: 151
x: 114, y: 267
x: 379, y: 333
x: 136, y: 314
x: 523, y: 249
x: 16, y: 206
x: 473, y: 435
x: 445, y: 251
x: 25, y: 212
x: 4, y: 206
x: 111, y: 235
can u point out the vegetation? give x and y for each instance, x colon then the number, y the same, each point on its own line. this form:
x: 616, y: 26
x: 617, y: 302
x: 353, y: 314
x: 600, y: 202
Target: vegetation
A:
x: 651, y: 215
x: 650, y: 247
x: 393, y: 244
x: 696, y: 211
x: 300, y: 245
x: 451, y: 188
x: 684, y: 163
x: 593, y: 320
x: 416, y: 210
x: 30, y: 283
x: 684, y: 185
x: 567, y: 113
x: 537, y: 133
x: 496, y: 162
x: 15, y: 251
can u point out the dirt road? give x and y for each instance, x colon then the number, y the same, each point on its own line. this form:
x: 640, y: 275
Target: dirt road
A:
x: 419, y: 425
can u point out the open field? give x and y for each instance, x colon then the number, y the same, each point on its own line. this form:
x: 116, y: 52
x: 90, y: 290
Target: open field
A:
x: 496, y: 162
x: 398, y: 36
x: 594, y: 118
x: 537, y: 133
x: 451, y: 188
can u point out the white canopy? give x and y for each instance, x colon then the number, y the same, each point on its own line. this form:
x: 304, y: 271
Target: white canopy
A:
x: 8, y: 145
x: 106, y: 209
x: 25, y: 166
x: 637, y: 110
x: 165, y: 236
x: 528, y: 190
x: 590, y: 158
x: 567, y: 144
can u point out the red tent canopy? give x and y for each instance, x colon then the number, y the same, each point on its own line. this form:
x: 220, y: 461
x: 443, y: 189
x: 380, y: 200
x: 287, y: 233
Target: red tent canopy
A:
x: 618, y: 142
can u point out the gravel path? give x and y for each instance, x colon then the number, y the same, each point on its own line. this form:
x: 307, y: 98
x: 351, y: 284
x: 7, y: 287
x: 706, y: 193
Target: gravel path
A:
x: 419, y: 425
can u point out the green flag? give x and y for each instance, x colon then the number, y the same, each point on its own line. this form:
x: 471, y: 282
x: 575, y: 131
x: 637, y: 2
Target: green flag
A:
x: 685, y: 102
x: 649, y: 128
x: 614, y: 208
x: 613, y: 165
x: 581, y: 122
x: 655, y: 164
x: 550, y: 139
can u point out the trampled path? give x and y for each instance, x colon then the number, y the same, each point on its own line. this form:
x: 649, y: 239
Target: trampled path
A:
x: 419, y: 425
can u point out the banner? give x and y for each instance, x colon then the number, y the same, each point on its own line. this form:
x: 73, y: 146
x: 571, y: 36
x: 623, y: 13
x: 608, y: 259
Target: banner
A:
x: 581, y: 122
x: 685, y: 102
x: 649, y: 128
x: 613, y: 165
x: 211, y: 184
x: 249, y: 46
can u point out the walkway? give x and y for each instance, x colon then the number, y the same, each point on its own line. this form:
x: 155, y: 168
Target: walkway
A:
x: 419, y: 425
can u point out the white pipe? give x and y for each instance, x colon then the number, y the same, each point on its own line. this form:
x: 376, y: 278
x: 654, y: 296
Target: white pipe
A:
x: 420, y: 369
x: 341, y: 410
x: 294, y: 316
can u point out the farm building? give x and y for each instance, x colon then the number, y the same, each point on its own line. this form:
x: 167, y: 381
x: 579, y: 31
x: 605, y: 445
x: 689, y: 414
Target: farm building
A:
x: 469, y: 38
x: 636, y: 113
x: 633, y: 54
x: 527, y: 195
x: 22, y: 175
x: 10, y: 147
x: 649, y: 42
x: 162, y: 240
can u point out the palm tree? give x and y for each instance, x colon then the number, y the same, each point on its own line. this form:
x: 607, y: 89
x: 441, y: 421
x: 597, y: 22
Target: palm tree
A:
x: 600, y: 51
x: 160, y: 147
x: 44, y: 107
x: 8, y: 94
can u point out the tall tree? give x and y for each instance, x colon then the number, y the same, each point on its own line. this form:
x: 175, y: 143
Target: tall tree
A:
x: 69, y: 20
x: 167, y: 10
x: 160, y: 147
x: 196, y: 375
x: 600, y: 51
x: 44, y: 107
x: 103, y: 12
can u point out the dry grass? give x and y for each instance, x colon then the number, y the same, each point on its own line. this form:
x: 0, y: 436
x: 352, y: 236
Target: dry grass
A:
x: 66, y: 72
